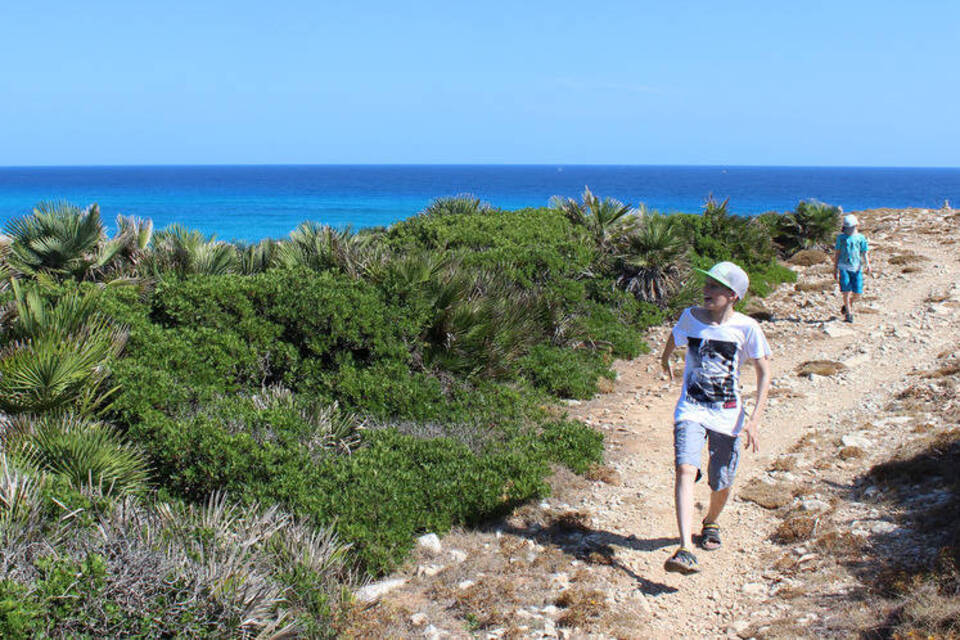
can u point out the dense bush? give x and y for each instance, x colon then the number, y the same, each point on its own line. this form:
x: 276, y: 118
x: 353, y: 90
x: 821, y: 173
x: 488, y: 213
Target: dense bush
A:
x: 372, y: 385
x: 811, y: 224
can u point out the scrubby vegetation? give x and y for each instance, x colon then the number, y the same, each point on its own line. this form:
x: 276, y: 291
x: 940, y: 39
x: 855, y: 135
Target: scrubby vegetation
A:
x: 205, y: 439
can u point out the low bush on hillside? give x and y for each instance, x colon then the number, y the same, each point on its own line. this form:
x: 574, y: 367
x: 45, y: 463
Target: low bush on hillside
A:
x: 349, y: 390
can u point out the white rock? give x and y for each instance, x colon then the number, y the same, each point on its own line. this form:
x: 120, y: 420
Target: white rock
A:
x: 375, y: 591
x: 837, y: 331
x: 432, y: 633
x: 813, y: 504
x: 856, y: 440
x: 429, y: 569
x: 754, y: 589
x: 883, y: 527
x: 856, y: 360
x: 894, y: 420
x: 465, y: 584
x: 458, y: 556
x: 430, y: 543
x: 739, y: 625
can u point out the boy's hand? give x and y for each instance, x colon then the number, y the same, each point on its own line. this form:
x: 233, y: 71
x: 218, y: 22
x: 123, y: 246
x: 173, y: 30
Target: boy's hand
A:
x: 751, y: 431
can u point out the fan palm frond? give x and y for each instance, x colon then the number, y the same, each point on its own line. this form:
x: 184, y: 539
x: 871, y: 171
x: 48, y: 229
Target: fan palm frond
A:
x: 653, y: 260
x: 87, y: 453
x: 605, y: 220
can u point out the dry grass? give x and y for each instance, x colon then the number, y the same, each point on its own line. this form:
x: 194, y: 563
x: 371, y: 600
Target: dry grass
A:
x: 935, y: 297
x: 784, y: 463
x: 488, y: 603
x: 943, y: 372
x: 605, y: 474
x: 796, y: 528
x: 811, y: 439
x: 820, y: 285
x: 605, y: 385
x: 820, y: 368
x: 935, y: 456
x: 808, y: 257
x: 768, y: 496
x: 840, y: 544
x: 572, y: 521
x: 906, y: 258
x: 582, y: 607
x: 781, y: 629
x: 380, y: 620
x: 849, y: 453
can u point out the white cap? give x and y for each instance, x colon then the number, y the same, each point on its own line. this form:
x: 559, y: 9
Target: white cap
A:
x: 730, y: 276
x: 849, y: 221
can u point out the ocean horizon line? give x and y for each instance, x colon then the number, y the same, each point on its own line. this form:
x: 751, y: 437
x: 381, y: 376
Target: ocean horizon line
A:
x: 473, y: 164
x: 250, y: 202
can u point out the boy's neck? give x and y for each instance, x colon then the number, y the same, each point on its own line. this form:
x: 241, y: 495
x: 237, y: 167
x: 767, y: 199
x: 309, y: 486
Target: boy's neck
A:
x: 719, y: 316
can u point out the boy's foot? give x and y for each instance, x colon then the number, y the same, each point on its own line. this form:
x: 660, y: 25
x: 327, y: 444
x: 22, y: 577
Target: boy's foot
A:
x: 710, y: 536
x: 682, y: 562
x: 849, y: 317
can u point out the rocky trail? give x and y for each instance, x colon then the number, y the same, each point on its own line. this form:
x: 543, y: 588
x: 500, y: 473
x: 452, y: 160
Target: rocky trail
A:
x: 587, y: 562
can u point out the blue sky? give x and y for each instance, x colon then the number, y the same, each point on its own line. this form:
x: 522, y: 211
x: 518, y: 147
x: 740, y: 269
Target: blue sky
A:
x: 370, y: 81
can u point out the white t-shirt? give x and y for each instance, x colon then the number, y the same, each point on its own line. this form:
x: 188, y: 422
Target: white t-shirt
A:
x: 711, y: 377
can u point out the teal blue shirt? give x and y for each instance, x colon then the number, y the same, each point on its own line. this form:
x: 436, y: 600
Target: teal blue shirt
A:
x: 852, y: 249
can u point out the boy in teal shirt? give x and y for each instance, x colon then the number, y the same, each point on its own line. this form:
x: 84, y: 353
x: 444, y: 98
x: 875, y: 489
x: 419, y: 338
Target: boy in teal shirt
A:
x: 850, y: 259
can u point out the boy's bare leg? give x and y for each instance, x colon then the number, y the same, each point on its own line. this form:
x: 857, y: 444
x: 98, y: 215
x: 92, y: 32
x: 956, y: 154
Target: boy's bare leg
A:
x: 686, y: 474
x: 717, y: 501
x: 853, y: 298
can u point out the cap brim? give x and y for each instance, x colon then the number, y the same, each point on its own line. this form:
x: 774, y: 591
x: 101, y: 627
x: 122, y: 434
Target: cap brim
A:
x: 720, y: 280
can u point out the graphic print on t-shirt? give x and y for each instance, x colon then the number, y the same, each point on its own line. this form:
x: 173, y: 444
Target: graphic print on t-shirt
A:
x: 712, y: 374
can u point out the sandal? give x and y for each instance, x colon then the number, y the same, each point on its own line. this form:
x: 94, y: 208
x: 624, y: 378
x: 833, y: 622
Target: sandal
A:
x: 682, y: 562
x: 710, y: 536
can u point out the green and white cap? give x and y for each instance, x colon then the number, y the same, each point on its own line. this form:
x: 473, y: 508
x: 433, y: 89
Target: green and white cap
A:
x: 730, y: 276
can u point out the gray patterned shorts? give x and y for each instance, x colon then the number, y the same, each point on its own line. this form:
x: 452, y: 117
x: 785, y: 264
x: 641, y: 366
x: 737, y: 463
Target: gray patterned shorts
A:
x: 688, y: 440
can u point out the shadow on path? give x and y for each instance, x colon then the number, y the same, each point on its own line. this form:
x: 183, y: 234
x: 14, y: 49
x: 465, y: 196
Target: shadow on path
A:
x: 595, y: 546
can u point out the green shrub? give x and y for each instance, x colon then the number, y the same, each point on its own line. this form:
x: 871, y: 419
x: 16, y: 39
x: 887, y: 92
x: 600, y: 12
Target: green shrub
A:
x: 812, y: 223
x: 20, y: 614
x: 573, y: 444
x: 718, y: 235
x: 565, y: 373
x: 618, y: 331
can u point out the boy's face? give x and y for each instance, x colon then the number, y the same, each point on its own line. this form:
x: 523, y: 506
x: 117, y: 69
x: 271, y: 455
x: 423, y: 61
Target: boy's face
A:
x: 716, y: 296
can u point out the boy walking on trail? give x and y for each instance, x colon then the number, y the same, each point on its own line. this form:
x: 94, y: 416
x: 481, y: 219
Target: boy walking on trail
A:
x: 710, y: 410
x: 850, y: 251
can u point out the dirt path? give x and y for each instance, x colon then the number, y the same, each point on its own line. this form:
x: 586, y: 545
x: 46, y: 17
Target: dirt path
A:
x: 588, y: 561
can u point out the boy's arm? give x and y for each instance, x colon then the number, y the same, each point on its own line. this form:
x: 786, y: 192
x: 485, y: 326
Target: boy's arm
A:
x: 665, y: 357
x: 866, y: 260
x: 836, y: 262
x: 762, y: 366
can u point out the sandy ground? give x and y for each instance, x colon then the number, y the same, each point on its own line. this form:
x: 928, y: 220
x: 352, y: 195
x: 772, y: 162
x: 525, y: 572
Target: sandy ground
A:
x: 587, y: 562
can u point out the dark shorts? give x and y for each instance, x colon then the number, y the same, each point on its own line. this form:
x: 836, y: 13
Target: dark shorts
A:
x: 851, y: 281
x: 688, y: 440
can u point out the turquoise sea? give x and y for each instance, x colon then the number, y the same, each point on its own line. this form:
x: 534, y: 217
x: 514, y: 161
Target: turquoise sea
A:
x: 253, y: 202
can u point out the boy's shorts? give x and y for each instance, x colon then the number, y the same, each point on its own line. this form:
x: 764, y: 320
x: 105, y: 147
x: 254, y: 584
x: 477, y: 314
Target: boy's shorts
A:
x: 688, y: 440
x: 851, y: 281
